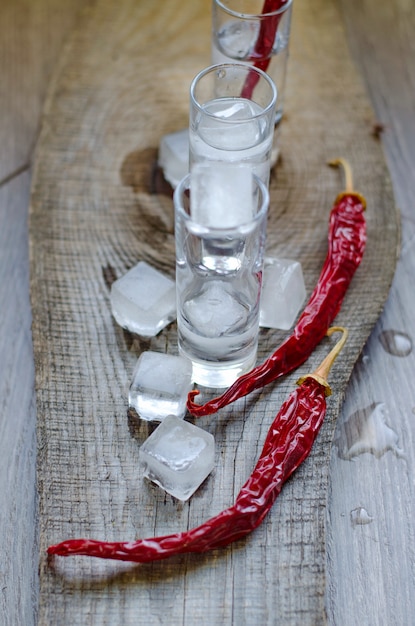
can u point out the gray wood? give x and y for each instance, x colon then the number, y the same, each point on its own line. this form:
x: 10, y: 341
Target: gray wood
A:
x: 372, y: 567
x: 18, y: 570
x: 31, y: 34
x: 372, y: 581
x: 118, y: 88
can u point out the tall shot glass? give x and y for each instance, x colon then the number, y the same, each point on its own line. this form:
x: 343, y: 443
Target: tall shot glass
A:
x: 246, y: 31
x: 225, y: 126
x: 218, y: 282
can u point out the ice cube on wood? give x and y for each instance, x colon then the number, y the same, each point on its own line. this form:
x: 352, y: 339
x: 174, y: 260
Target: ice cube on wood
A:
x: 143, y: 300
x: 283, y: 293
x: 160, y: 385
x: 178, y: 457
x: 221, y: 194
x: 173, y: 156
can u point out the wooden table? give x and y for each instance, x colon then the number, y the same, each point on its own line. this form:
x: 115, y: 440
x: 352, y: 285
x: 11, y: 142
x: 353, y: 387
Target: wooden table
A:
x: 370, y: 549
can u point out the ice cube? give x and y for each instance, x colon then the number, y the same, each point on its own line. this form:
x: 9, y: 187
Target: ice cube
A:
x: 174, y: 156
x: 221, y: 194
x: 178, y: 456
x: 160, y: 385
x: 245, y: 131
x: 143, y: 300
x: 214, y: 311
x: 283, y: 293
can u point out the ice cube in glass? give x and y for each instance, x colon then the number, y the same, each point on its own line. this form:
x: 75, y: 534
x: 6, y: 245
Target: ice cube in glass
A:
x: 160, y: 385
x: 143, y: 300
x: 173, y: 156
x: 178, y: 457
x: 221, y: 194
x: 283, y: 293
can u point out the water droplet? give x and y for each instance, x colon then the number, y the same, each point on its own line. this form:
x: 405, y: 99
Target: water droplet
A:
x: 365, y: 359
x: 395, y: 342
x: 360, y: 517
x: 221, y: 73
x: 367, y: 431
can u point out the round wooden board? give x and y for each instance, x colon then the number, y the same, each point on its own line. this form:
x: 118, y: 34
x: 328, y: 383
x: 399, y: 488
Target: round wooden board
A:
x: 97, y: 208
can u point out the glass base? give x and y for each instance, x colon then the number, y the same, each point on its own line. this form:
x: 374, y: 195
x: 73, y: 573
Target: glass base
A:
x: 220, y: 375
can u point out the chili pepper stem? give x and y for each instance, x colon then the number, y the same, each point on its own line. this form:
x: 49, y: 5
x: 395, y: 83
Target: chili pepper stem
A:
x: 348, y: 174
x: 348, y: 177
x: 321, y: 373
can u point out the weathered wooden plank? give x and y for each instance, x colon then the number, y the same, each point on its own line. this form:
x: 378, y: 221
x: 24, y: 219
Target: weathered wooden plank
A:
x: 30, y: 37
x: 122, y: 83
x: 373, y: 561
x: 18, y: 569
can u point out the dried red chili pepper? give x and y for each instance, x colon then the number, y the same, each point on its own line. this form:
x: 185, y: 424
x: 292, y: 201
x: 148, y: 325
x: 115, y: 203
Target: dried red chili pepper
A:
x: 288, y: 442
x: 347, y: 239
x: 261, y: 55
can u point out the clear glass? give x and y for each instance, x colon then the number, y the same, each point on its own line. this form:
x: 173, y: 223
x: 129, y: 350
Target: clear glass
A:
x: 218, y: 283
x: 238, y: 26
x: 226, y: 125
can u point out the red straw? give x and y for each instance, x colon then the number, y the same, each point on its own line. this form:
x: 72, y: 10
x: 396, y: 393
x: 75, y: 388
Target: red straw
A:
x: 261, y: 54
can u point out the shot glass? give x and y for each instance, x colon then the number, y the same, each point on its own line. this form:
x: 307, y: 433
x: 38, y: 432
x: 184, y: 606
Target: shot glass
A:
x: 227, y: 126
x: 243, y: 33
x: 218, y: 282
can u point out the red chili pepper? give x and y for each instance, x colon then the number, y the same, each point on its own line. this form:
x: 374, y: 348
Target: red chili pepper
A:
x: 289, y: 441
x: 261, y: 55
x: 347, y: 239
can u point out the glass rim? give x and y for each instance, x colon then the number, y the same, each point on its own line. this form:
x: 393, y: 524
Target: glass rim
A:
x: 202, y: 229
x: 250, y: 68
x: 250, y: 16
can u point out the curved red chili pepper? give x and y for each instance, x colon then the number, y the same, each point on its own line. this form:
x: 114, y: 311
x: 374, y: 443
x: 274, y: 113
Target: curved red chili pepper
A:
x: 288, y: 443
x: 261, y: 55
x: 346, y: 245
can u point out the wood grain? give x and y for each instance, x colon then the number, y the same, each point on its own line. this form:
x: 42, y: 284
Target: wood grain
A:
x: 31, y: 34
x: 122, y: 83
x: 373, y: 563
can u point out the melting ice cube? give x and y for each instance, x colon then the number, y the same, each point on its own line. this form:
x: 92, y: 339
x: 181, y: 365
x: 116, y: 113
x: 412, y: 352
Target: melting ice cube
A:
x: 143, y: 300
x: 174, y: 156
x: 160, y: 385
x: 221, y: 194
x: 178, y: 456
x: 283, y: 293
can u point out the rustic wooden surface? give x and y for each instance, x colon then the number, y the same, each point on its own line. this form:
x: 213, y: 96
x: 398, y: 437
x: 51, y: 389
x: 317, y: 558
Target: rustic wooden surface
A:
x: 121, y: 83
x: 361, y: 566
x: 31, y: 37
x: 371, y: 570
